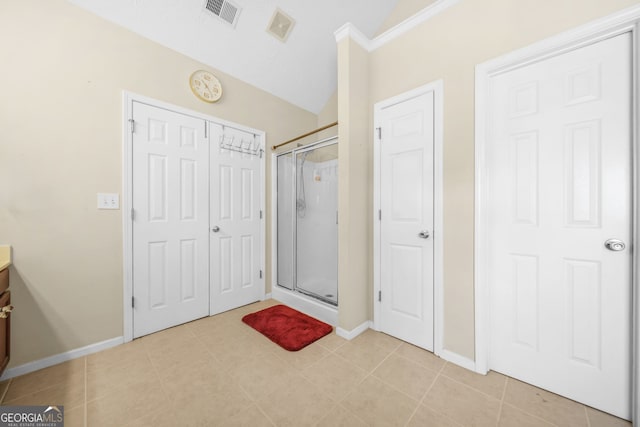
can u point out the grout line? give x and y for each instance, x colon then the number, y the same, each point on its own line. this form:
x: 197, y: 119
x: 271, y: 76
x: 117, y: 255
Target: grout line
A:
x: 586, y: 415
x: 383, y: 360
x: 471, y: 387
x: 504, y: 389
x: 551, y: 423
x: 504, y: 393
x: 350, y: 413
x: 264, y: 413
x: 438, y: 374
x: 6, y: 390
x: 537, y: 417
x: 424, y: 397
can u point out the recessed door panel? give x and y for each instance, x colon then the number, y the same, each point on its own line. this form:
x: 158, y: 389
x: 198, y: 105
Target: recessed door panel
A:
x: 157, y: 274
x: 248, y: 267
x: 583, y: 284
x: 525, y: 176
x: 406, y: 284
x: 582, y: 174
x: 246, y: 197
x: 157, y: 191
x: 188, y: 271
x: 407, y: 186
x: 225, y: 183
x: 225, y: 264
x: 188, y: 189
x: 525, y: 300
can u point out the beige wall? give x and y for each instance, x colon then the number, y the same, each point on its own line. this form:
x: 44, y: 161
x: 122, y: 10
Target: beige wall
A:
x: 354, y: 197
x: 449, y: 46
x: 403, y: 10
x: 61, y: 81
x: 329, y: 114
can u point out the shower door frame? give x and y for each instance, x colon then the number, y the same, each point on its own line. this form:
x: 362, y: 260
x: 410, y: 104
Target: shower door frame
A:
x: 294, y: 234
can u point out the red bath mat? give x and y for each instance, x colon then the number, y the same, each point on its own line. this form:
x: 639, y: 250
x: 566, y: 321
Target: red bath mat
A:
x: 287, y: 327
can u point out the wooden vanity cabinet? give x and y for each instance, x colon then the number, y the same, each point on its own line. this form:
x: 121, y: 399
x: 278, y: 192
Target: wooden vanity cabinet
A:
x: 5, y: 323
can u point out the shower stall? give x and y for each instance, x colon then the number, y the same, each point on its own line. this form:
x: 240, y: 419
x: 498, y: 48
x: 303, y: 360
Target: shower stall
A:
x: 307, y: 221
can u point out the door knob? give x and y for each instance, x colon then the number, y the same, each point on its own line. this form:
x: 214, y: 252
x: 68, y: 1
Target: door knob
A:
x: 423, y: 234
x: 215, y: 229
x: 614, y: 245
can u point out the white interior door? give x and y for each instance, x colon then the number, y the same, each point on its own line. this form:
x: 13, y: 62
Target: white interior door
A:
x: 559, y: 187
x: 406, y: 224
x: 236, y: 239
x: 170, y: 222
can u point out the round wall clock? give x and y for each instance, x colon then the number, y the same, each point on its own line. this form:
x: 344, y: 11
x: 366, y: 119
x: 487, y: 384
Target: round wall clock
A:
x: 205, y: 86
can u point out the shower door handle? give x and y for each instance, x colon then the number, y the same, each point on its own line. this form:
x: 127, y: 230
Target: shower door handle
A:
x: 423, y: 234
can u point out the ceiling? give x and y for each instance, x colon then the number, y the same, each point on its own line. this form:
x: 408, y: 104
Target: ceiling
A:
x: 302, y: 71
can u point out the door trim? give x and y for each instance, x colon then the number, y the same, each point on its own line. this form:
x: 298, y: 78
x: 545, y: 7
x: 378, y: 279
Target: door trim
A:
x: 437, y: 88
x: 610, y: 26
x: 128, y: 98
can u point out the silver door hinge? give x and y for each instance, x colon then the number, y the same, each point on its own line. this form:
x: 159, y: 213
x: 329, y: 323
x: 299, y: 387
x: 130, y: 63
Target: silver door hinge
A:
x: 133, y: 302
x: 379, y: 296
x: 133, y: 215
x: 260, y: 214
x: 205, y: 129
x: 261, y: 274
x: 132, y: 125
x: 379, y: 214
x: 379, y: 130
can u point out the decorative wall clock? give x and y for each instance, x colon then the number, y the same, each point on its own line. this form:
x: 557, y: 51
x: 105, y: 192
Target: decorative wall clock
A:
x: 205, y: 86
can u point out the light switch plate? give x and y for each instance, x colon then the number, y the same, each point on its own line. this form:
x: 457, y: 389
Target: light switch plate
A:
x: 108, y: 201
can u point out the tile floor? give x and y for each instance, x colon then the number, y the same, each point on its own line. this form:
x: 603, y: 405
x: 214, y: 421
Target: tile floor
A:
x: 219, y: 372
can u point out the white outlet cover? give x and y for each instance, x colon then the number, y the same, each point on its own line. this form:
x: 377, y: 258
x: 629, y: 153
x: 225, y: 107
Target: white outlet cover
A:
x: 108, y: 201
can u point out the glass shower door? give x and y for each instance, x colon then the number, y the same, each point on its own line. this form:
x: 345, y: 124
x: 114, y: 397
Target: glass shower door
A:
x: 316, y: 222
x: 285, y: 221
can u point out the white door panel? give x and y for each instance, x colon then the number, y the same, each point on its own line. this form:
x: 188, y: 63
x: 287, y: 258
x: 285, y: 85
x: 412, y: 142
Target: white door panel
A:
x: 406, y: 200
x: 559, y: 179
x: 170, y: 226
x: 236, y: 277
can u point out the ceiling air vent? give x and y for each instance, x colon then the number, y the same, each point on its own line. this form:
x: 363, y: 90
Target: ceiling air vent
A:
x: 280, y: 25
x: 225, y: 10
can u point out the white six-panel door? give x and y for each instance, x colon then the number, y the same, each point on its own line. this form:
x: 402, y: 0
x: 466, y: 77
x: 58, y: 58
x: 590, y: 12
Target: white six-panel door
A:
x: 235, y: 237
x: 559, y: 187
x: 407, y: 218
x: 170, y: 224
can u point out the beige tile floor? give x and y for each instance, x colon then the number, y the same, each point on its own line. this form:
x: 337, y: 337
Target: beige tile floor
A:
x: 219, y: 372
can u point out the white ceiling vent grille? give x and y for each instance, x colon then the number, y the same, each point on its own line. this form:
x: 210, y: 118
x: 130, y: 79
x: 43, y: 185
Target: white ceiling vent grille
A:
x: 225, y: 10
x: 280, y: 25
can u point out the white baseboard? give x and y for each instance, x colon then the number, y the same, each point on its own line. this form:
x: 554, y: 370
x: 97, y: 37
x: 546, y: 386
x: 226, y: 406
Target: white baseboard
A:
x: 456, y: 359
x: 266, y: 296
x: 59, y: 358
x: 349, y: 335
